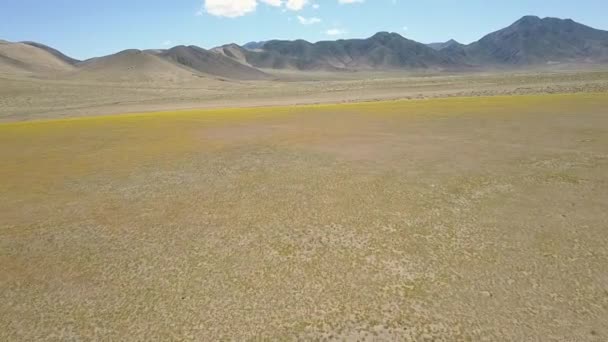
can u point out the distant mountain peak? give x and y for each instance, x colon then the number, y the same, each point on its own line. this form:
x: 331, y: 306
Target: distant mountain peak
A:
x: 529, y: 19
x: 532, y: 20
x: 129, y: 52
x: 385, y: 35
x: 444, y: 45
x: 254, y: 45
x: 532, y: 40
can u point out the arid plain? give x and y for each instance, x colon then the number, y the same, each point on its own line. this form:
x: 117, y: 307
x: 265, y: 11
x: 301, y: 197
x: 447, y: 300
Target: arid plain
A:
x: 472, y: 217
x: 23, y: 97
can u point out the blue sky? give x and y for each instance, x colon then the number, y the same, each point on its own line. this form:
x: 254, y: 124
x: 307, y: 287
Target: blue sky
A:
x: 91, y: 28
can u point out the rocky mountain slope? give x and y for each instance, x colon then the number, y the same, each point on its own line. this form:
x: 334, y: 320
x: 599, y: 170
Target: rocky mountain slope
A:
x: 532, y: 40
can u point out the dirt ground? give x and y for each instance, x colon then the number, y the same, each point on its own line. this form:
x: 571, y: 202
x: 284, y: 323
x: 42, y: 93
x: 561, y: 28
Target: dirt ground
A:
x: 26, y: 98
x: 480, y: 219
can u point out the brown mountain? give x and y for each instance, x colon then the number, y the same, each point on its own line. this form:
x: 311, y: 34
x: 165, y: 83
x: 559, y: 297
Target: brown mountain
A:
x: 54, y: 52
x: 234, y: 52
x: 204, y: 61
x: 131, y: 65
x: 20, y: 58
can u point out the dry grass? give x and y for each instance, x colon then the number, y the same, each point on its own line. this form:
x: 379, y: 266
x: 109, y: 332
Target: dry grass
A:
x: 453, y: 219
x: 23, y: 98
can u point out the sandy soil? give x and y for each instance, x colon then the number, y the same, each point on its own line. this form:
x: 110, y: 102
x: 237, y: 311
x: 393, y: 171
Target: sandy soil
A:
x: 480, y: 219
x: 26, y: 98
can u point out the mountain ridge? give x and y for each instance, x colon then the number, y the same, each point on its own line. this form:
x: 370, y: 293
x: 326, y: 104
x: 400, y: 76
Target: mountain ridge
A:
x: 529, y: 41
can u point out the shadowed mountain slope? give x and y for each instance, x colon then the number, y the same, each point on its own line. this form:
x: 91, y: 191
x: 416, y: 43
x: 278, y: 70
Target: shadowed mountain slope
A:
x: 382, y: 51
x: 529, y: 41
x: 232, y: 51
x: 212, y: 63
x: 532, y: 40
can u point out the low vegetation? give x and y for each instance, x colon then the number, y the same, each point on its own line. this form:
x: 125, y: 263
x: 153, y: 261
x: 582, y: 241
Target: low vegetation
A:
x: 445, y: 219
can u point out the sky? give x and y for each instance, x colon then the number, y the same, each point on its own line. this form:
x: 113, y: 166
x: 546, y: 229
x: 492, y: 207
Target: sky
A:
x: 88, y: 28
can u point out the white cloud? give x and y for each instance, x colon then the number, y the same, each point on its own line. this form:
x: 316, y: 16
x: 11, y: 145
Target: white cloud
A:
x: 230, y: 8
x: 295, y: 5
x: 275, y: 3
x: 167, y: 43
x: 316, y: 6
x: 335, y: 32
x: 237, y: 8
x: 308, y: 21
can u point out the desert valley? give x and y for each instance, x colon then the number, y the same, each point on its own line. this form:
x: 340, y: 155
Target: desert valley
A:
x: 355, y: 189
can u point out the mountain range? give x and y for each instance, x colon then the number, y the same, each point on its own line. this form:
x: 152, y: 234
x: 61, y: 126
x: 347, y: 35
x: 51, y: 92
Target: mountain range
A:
x: 530, y: 41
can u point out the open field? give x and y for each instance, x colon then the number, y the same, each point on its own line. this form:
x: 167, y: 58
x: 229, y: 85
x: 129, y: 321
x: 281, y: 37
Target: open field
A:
x: 477, y: 218
x: 26, y: 98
